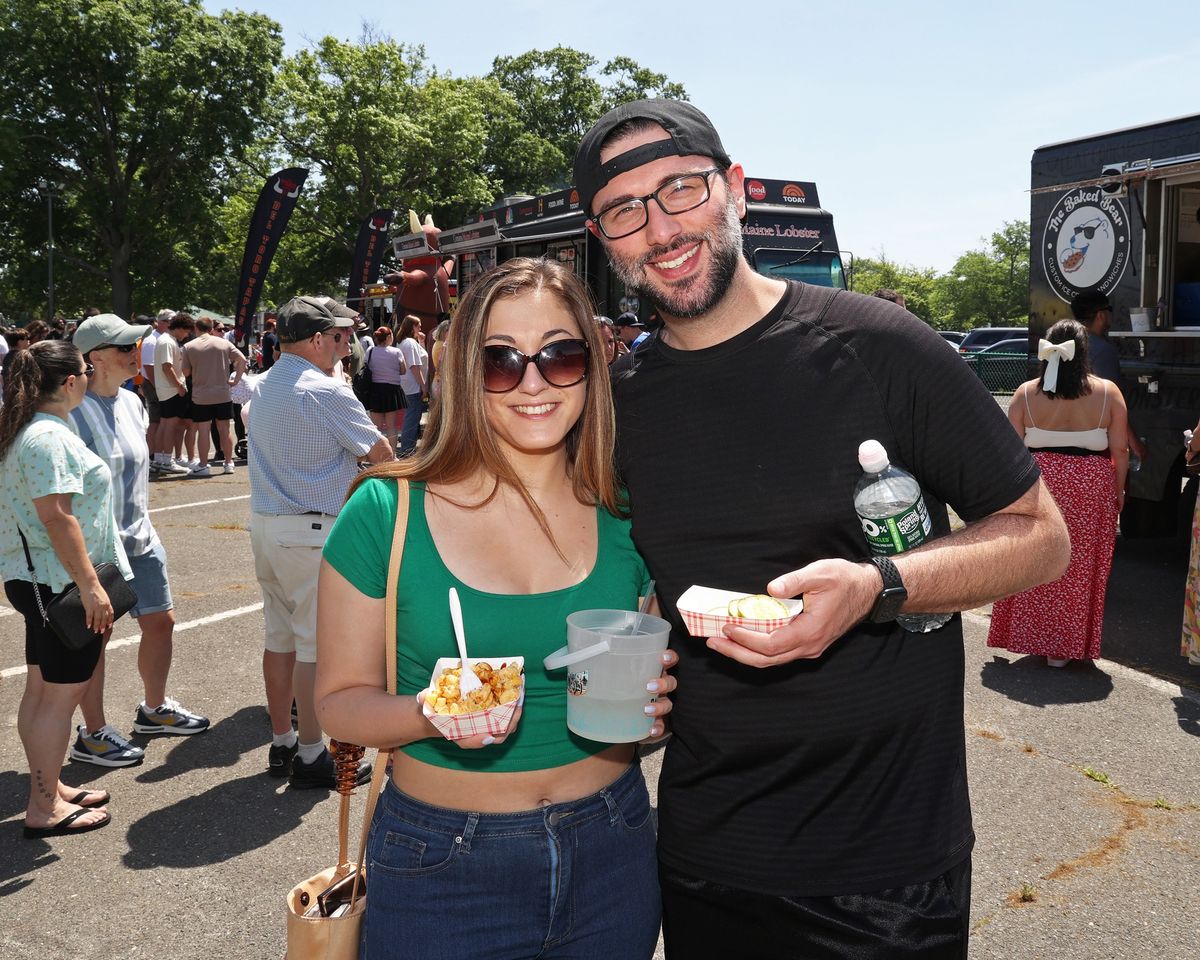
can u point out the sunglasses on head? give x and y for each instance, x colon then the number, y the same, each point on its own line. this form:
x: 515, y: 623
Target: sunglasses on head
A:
x: 562, y: 363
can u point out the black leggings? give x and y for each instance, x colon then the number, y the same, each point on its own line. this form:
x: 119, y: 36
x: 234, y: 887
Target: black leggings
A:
x: 929, y: 921
x: 43, y: 649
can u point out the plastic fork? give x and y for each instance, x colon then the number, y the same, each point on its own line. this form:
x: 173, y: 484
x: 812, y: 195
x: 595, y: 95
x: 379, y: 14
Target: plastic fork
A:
x: 469, y: 680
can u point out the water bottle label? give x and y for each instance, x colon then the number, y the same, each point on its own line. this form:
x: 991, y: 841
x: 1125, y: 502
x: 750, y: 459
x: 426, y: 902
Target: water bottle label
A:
x: 899, y: 533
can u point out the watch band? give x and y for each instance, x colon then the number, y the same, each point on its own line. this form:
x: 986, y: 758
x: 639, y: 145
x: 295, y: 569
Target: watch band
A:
x: 891, y: 598
x: 887, y: 570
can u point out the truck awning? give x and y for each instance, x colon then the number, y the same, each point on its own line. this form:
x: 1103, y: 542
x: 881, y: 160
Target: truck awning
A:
x: 1135, y: 171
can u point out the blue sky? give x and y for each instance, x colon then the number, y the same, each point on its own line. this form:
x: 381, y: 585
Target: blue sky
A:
x: 917, y: 121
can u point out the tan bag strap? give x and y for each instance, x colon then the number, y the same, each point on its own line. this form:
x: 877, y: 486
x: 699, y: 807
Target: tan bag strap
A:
x: 382, y: 756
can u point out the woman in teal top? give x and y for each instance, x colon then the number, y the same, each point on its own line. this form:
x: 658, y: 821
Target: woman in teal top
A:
x: 537, y: 842
x: 58, y: 495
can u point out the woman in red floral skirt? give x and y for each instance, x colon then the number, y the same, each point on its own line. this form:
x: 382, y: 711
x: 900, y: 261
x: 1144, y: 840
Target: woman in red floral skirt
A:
x: 1076, y: 426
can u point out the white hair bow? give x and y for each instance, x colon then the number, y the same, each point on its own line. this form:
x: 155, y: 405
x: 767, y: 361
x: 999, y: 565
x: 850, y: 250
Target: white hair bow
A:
x: 1054, y: 354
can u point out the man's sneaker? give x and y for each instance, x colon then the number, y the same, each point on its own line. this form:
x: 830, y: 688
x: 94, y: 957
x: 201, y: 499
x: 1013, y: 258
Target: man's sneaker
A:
x: 229, y: 467
x: 172, y: 466
x: 279, y: 760
x: 106, y: 748
x: 169, y: 718
x: 321, y: 773
x: 192, y: 464
x: 201, y: 472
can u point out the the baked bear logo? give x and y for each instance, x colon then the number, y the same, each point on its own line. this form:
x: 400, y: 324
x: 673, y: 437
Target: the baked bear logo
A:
x: 1086, y: 243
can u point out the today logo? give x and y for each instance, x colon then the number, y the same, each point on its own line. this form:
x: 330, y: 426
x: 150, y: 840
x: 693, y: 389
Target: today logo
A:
x: 793, y: 194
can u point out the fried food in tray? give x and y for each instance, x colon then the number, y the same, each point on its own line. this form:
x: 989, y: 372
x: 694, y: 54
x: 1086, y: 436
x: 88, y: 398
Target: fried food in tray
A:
x: 500, y: 685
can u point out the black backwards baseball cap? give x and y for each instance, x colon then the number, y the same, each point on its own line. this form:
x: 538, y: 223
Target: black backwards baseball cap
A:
x: 301, y: 317
x: 689, y: 132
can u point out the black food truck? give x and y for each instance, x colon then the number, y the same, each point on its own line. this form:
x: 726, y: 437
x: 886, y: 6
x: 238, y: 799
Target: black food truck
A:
x: 785, y: 234
x: 1119, y: 213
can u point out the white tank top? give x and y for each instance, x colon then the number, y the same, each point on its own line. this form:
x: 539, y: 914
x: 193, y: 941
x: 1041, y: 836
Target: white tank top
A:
x: 1094, y: 439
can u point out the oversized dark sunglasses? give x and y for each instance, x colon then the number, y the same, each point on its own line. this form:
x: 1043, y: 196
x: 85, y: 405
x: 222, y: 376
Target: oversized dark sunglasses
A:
x: 120, y: 347
x: 562, y: 363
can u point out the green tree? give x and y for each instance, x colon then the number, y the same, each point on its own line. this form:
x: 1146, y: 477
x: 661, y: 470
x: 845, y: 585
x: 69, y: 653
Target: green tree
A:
x: 915, y: 283
x: 988, y: 287
x: 377, y: 127
x: 553, y: 97
x: 134, y: 109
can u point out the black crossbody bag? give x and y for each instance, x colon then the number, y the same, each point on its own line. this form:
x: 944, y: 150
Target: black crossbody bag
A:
x: 65, y: 614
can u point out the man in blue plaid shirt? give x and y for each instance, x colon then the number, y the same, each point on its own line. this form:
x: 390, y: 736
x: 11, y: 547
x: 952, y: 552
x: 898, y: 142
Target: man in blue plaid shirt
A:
x: 307, y: 433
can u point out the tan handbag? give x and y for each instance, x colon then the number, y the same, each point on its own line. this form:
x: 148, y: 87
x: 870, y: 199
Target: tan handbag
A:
x: 325, y: 912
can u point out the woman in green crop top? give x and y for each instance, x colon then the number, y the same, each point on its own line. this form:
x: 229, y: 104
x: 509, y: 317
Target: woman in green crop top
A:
x: 537, y: 842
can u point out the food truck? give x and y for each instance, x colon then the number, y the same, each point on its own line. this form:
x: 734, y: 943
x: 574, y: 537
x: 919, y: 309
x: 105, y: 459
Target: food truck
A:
x: 1119, y: 213
x: 785, y: 234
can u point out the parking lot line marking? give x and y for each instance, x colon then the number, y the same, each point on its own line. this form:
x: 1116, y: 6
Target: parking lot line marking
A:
x: 137, y: 637
x: 198, y: 503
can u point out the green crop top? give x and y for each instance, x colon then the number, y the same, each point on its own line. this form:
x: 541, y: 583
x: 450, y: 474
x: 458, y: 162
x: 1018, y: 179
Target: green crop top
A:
x: 497, y: 625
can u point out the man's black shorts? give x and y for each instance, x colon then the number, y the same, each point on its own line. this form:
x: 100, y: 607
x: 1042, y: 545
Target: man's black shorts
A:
x: 203, y: 412
x: 176, y: 406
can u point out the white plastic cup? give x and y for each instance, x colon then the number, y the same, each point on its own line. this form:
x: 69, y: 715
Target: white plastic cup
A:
x: 1139, y: 321
x: 608, y: 667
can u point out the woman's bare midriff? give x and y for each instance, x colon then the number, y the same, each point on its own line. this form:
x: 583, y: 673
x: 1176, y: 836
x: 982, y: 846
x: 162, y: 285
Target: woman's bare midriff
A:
x: 508, y: 792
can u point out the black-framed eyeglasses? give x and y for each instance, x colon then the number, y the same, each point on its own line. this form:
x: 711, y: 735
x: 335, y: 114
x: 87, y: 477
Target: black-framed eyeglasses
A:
x: 562, y: 363
x: 678, y: 196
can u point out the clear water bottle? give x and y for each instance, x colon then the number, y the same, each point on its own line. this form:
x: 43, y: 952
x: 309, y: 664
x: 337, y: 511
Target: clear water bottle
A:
x: 894, y: 518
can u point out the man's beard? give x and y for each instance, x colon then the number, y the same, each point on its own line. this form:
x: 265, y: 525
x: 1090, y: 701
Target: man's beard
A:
x: 696, y: 295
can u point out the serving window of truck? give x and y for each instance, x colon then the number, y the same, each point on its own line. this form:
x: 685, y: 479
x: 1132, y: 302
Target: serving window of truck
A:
x: 1119, y: 213
x: 785, y: 234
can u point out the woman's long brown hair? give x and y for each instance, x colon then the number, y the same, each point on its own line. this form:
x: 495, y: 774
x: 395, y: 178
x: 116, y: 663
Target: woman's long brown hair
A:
x: 459, y: 441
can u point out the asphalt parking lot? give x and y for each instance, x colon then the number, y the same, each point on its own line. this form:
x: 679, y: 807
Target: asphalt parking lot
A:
x: 1085, y: 785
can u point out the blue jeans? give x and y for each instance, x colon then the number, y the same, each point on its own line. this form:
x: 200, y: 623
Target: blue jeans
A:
x: 412, y: 423
x: 570, y: 880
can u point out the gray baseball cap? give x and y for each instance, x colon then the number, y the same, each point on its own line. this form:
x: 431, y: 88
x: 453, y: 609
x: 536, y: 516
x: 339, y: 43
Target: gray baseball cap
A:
x: 106, y: 330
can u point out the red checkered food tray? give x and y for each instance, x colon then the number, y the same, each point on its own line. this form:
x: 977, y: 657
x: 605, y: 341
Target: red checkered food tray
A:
x: 494, y: 720
x: 705, y: 610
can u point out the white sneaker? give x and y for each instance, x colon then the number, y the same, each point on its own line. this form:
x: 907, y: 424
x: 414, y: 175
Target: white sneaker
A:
x: 229, y: 467
x: 173, y: 466
x: 201, y: 472
x: 192, y: 464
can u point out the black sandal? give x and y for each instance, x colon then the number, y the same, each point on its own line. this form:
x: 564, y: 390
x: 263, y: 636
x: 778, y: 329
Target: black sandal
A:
x: 64, y: 828
x: 82, y: 795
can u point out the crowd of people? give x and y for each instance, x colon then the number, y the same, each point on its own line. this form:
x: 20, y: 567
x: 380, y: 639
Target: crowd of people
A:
x: 813, y: 796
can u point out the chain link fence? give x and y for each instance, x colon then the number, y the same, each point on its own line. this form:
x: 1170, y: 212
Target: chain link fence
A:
x: 1001, y: 373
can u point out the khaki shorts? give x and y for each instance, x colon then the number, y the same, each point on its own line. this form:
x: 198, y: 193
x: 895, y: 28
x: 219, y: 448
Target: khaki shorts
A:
x: 287, y: 561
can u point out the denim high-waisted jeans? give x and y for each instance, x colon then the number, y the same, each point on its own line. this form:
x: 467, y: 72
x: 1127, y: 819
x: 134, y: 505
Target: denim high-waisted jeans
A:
x: 569, y: 880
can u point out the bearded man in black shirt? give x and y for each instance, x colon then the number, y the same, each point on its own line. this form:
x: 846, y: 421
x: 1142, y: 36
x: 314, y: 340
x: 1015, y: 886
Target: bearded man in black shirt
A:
x: 813, y: 800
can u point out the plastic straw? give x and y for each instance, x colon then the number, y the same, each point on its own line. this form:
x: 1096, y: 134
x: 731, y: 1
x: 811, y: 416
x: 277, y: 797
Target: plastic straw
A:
x: 642, y: 608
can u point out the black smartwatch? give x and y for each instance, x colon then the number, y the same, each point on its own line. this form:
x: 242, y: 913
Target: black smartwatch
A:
x: 891, y: 598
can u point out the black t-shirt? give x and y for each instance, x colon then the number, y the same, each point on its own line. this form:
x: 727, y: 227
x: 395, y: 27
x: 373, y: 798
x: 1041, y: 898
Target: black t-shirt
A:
x: 267, y: 356
x: 844, y: 774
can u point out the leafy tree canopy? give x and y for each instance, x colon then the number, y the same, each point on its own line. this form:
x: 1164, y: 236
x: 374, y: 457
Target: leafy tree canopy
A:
x: 554, y: 96
x: 133, y: 110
